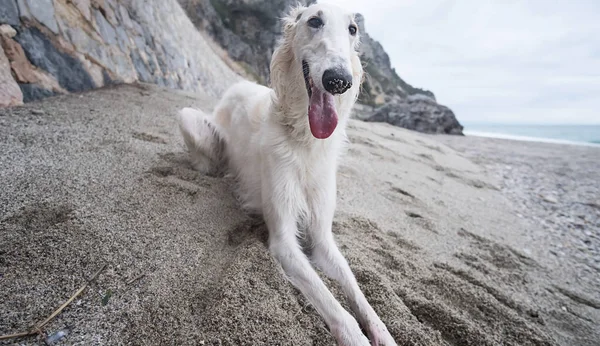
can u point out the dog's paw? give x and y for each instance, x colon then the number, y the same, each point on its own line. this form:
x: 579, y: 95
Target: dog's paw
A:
x: 348, y: 333
x: 379, y: 335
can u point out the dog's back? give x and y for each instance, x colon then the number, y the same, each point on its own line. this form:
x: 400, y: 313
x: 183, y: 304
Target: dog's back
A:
x: 241, y: 113
x: 242, y: 108
x: 231, y: 136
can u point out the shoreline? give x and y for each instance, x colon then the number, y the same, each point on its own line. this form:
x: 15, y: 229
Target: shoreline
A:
x: 495, y: 135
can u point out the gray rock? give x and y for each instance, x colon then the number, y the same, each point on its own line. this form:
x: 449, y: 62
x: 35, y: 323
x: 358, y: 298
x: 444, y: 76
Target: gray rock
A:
x: 107, y: 79
x: 34, y: 92
x: 170, y: 51
x: 137, y: 28
x: 84, y: 7
x: 82, y: 41
x: 122, y: 67
x: 125, y: 18
x: 140, y: 66
x: 362, y: 111
x: 9, y: 12
x: 41, y: 10
x: 140, y: 42
x: 151, y: 62
x: 68, y: 70
x: 175, y: 61
x: 123, y: 38
x: 419, y: 114
x: 23, y: 9
x: 106, y: 30
x: 114, y: 61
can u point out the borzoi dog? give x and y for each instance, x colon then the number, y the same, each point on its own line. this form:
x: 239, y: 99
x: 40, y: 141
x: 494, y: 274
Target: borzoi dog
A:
x: 282, y: 146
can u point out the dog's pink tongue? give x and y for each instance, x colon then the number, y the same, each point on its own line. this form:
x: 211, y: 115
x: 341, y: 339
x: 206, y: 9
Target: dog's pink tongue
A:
x: 322, y: 115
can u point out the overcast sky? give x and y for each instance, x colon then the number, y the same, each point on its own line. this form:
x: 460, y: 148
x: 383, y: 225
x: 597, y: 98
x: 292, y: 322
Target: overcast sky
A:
x: 508, y: 61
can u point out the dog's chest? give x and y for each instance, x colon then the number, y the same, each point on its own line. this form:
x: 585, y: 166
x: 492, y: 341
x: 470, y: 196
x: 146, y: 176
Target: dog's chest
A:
x: 315, y: 169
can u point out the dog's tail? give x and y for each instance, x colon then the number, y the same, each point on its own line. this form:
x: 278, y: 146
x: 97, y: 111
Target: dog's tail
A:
x: 203, y: 139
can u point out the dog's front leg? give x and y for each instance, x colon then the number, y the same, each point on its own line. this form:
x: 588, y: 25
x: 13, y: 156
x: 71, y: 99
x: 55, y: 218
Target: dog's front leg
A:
x: 282, y: 195
x: 328, y: 257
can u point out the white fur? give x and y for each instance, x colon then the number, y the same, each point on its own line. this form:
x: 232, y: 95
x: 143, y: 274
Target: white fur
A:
x: 286, y: 174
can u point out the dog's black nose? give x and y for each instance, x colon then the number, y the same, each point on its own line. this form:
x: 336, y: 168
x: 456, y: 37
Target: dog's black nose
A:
x: 337, y: 80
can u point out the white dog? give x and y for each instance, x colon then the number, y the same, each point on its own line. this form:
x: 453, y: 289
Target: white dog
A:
x: 282, y: 146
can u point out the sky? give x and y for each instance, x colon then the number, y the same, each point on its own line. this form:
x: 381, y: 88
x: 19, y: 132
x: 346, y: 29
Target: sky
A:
x: 496, y: 61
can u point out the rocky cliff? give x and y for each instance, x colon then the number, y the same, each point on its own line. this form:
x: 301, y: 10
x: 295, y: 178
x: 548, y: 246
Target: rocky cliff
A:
x: 382, y: 82
x: 388, y: 98
x: 248, y: 31
x: 52, y: 47
x: 417, y: 112
x: 57, y: 46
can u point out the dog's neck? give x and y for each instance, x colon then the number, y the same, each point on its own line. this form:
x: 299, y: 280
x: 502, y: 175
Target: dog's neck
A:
x: 290, y: 108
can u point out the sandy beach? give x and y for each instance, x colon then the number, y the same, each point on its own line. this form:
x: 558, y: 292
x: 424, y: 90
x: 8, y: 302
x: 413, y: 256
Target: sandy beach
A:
x: 555, y: 188
x: 454, y: 240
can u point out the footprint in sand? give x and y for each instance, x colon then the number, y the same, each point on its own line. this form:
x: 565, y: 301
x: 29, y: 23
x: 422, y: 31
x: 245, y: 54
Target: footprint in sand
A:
x: 178, y: 173
x: 143, y: 136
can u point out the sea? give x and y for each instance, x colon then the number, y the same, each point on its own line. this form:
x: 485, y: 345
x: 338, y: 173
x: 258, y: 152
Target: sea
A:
x: 564, y: 134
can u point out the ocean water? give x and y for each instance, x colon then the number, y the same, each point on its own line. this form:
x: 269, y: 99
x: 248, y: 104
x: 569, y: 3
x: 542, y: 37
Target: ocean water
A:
x: 567, y: 134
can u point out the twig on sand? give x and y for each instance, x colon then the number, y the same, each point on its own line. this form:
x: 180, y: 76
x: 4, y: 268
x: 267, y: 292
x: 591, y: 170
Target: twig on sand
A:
x: 18, y: 335
x: 135, y: 279
x: 38, y: 328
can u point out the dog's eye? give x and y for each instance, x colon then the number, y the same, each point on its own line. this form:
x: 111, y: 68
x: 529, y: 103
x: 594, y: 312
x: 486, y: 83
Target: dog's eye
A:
x: 315, y: 22
x: 353, y: 29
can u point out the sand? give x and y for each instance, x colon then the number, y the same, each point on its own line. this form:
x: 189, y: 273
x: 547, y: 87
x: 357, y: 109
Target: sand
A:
x: 103, y: 177
x: 553, y: 187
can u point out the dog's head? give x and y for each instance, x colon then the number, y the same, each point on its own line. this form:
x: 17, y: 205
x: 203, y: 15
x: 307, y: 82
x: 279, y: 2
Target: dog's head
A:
x: 320, y: 46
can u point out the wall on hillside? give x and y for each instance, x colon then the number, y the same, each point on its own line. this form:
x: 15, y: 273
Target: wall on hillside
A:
x: 59, y: 46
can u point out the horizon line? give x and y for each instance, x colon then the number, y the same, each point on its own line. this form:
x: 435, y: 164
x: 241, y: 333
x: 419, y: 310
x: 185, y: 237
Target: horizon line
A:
x: 463, y: 122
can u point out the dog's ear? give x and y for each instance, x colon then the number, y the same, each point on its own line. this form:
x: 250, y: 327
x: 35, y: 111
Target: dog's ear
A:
x: 356, y: 64
x: 293, y: 16
x: 357, y: 72
x: 283, y: 54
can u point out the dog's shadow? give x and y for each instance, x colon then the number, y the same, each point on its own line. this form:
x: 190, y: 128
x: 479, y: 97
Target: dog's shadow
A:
x: 253, y: 228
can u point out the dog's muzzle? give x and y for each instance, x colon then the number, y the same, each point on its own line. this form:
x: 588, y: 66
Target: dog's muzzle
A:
x: 337, y: 80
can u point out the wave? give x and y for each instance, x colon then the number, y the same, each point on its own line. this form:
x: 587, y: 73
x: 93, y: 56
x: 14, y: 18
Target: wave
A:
x: 593, y: 143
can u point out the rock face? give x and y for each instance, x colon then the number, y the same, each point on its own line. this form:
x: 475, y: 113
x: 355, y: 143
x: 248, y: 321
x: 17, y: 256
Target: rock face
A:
x: 388, y: 98
x: 10, y: 94
x: 68, y: 70
x: 382, y: 83
x: 9, y: 12
x: 247, y: 29
x: 59, y: 46
x: 418, y: 113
